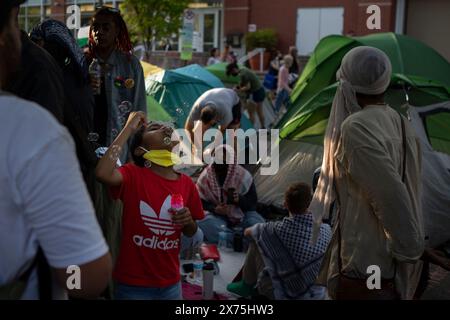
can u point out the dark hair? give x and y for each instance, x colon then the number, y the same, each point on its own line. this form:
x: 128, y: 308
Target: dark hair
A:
x: 298, y: 197
x: 212, y: 52
x: 136, y: 142
x: 230, y: 67
x: 123, y: 39
x: 207, y: 114
x: 6, y: 7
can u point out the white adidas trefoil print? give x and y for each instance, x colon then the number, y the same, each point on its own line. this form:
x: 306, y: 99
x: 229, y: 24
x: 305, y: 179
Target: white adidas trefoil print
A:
x: 159, y: 224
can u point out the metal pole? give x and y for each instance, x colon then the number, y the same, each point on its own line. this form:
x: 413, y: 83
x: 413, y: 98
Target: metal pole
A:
x: 42, y: 10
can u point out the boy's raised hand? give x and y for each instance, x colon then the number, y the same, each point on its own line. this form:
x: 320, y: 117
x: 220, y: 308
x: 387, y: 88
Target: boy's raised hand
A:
x: 136, y: 120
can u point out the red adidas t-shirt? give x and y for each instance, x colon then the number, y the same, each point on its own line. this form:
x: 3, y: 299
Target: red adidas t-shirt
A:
x: 150, y: 245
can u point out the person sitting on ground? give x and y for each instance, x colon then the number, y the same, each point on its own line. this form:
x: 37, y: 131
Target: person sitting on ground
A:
x: 219, y: 105
x: 148, y: 265
x: 251, y: 86
x: 214, y: 57
x: 228, y: 195
x: 283, y: 89
x: 281, y: 262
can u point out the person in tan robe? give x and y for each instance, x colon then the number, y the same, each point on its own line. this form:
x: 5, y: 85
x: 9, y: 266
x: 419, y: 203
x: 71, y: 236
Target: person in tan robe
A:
x: 378, y: 218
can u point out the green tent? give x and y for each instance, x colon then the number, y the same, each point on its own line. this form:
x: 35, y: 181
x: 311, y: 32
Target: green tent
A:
x: 219, y: 70
x: 419, y: 73
x: 155, y: 111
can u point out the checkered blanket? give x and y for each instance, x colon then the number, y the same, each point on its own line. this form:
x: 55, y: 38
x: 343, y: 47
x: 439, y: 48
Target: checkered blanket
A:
x: 291, y: 261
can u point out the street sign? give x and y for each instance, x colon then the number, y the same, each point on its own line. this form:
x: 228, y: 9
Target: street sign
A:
x: 187, y: 35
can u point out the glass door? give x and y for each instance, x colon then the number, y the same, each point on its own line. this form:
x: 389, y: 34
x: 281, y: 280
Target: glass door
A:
x: 206, y: 30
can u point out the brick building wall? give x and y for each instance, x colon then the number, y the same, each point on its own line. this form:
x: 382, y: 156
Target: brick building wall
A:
x: 281, y: 15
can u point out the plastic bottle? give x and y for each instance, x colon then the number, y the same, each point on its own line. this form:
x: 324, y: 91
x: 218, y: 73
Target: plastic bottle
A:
x: 95, y: 72
x: 222, y: 244
x: 208, y: 280
x: 198, y: 268
x: 176, y: 203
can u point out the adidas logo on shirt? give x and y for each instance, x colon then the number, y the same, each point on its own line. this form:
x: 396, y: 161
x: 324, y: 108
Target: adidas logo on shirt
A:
x: 159, y: 224
x: 155, y: 243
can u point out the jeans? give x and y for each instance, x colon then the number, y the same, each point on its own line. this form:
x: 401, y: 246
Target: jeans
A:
x: 126, y: 292
x: 282, y: 98
x: 211, y: 225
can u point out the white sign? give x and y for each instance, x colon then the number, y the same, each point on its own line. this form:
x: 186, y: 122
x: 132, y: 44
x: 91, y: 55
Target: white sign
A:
x: 251, y: 27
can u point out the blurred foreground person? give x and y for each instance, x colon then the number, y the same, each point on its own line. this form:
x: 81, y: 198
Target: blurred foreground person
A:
x: 371, y: 167
x: 56, y: 39
x: 45, y: 210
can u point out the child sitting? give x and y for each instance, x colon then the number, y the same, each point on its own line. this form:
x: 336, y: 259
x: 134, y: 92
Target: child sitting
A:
x: 281, y: 262
x: 148, y: 264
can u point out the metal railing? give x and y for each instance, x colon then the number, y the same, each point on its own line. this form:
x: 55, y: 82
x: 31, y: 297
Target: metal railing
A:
x: 253, y: 53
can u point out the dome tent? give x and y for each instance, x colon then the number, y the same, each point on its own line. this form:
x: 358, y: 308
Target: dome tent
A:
x: 421, y: 78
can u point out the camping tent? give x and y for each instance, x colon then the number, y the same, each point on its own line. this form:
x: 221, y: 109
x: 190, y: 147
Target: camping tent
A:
x: 421, y: 83
x: 149, y: 68
x: 177, y: 91
x: 219, y: 70
x: 198, y: 72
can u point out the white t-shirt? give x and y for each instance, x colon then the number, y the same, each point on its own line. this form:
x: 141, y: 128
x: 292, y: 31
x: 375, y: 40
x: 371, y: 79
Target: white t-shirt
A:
x: 43, y: 198
x: 223, y: 99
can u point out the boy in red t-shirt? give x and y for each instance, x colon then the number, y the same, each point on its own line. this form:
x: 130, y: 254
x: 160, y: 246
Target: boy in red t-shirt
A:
x: 148, y: 264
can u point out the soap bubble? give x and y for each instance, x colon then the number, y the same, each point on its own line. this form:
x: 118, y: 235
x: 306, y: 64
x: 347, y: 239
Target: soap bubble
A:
x: 93, y: 137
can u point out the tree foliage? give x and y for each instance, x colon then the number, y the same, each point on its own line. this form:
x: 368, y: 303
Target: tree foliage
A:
x: 150, y: 20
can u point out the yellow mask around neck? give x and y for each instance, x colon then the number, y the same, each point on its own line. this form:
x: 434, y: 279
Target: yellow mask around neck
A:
x: 162, y: 157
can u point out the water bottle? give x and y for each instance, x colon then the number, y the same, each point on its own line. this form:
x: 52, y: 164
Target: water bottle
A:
x: 222, y: 244
x: 198, y: 268
x: 208, y: 280
x: 176, y: 203
x: 95, y: 72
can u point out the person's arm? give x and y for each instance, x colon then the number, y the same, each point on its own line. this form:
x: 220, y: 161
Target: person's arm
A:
x: 184, y: 218
x: 140, y: 95
x: 106, y: 170
x: 59, y: 211
x: 386, y: 192
x: 189, y: 127
x: 244, y: 84
x: 284, y: 80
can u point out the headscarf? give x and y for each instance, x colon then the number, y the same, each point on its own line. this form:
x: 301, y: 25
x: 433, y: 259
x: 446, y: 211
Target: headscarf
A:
x: 57, y: 32
x: 364, y: 70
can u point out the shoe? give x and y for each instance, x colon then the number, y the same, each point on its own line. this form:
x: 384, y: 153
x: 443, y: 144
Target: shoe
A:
x: 242, y: 289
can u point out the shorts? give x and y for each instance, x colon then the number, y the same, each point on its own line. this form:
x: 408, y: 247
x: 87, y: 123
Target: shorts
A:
x: 259, y: 95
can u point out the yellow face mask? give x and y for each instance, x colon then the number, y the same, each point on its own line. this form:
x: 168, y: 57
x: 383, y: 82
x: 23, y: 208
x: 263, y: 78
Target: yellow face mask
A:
x: 163, y: 157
